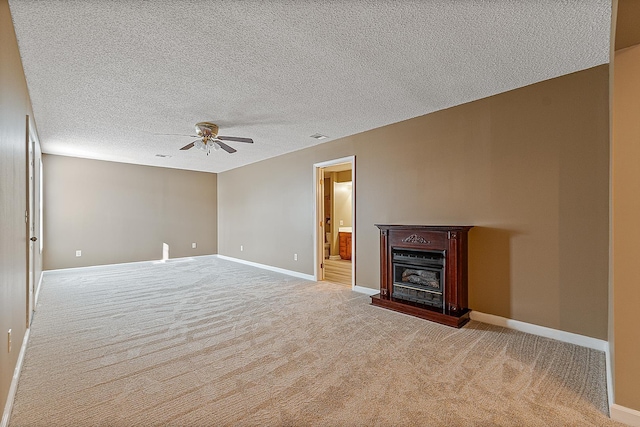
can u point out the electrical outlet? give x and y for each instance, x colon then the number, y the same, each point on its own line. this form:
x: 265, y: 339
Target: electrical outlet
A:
x: 241, y: 248
x: 194, y: 245
x: 341, y: 222
x: 295, y: 257
x: 9, y: 341
x: 78, y: 253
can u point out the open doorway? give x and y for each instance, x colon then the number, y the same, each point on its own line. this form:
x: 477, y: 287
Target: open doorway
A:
x: 335, y: 221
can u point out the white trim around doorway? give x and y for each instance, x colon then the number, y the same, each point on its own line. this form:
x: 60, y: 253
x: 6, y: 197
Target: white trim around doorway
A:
x: 317, y: 251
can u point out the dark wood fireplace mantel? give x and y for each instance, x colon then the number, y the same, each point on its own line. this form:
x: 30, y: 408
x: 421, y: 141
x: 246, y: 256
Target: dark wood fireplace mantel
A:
x: 423, y: 272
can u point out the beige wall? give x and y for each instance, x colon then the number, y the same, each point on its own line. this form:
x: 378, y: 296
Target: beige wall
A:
x: 529, y: 168
x: 14, y: 107
x: 626, y: 226
x: 116, y: 212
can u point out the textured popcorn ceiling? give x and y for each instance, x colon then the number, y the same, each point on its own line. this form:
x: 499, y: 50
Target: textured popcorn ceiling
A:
x: 105, y: 76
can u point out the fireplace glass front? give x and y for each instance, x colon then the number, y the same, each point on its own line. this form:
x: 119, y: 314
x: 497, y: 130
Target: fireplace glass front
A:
x: 418, y: 277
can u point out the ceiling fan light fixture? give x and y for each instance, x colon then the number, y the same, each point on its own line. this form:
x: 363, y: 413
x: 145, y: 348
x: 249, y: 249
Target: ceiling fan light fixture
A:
x: 206, y: 145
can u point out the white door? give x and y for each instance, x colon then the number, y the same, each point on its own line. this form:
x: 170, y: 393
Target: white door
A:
x: 29, y: 217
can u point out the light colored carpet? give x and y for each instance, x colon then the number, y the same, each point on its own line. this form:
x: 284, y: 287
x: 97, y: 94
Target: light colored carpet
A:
x: 208, y: 342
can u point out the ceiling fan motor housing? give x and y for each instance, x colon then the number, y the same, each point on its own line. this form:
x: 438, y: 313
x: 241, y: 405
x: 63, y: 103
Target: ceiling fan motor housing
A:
x: 207, y: 129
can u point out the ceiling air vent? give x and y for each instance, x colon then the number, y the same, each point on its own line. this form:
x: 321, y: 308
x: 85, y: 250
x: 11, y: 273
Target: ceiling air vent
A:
x: 319, y: 136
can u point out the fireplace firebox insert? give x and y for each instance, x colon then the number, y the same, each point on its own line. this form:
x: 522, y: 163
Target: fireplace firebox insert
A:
x: 418, y: 276
x: 423, y: 272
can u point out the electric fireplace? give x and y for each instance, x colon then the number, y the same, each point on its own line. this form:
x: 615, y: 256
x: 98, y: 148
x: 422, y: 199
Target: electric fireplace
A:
x: 423, y: 272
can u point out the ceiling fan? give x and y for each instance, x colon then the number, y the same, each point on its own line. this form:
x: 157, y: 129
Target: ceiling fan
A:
x: 208, y: 138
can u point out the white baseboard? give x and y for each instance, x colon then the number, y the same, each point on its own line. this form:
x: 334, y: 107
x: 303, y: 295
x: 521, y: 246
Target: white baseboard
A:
x: 153, y: 261
x: 361, y: 289
x: 14, y: 382
x: 170, y: 260
x: 365, y: 290
x: 268, y: 267
x: 91, y: 267
x: 542, y: 331
x: 625, y: 415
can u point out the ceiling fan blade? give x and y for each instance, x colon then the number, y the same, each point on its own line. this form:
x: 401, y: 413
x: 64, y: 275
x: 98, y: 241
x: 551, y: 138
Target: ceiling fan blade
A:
x: 177, y: 134
x: 225, y: 147
x: 235, y: 139
x: 190, y: 145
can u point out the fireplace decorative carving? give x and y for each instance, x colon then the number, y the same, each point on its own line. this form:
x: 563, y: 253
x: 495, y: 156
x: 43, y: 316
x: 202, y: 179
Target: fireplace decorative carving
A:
x: 423, y: 272
x: 414, y: 238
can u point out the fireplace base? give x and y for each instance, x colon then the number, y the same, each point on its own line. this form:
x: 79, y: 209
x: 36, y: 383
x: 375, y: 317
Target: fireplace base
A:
x: 456, y: 320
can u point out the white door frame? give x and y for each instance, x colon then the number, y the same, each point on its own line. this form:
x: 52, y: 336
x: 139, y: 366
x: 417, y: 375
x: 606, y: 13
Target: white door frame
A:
x: 30, y: 220
x: 318, y: 215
